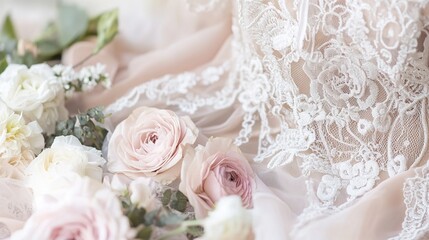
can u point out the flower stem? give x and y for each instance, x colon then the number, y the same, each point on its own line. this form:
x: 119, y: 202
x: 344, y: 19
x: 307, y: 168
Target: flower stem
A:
x: 84, y: 60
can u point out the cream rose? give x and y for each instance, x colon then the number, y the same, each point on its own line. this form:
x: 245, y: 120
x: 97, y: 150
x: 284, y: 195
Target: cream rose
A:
x: 56, y: 168
x: 34, y: 91
x: 217, y: 170
x: 19, y: 141
x: 229, y: 220
x: 86, y: 211
x: 150, y: 143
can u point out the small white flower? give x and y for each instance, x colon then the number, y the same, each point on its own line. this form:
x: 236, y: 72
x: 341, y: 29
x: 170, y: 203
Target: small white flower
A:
x: 228, y: 221
x: 141, y: 193
x: 58, y: 167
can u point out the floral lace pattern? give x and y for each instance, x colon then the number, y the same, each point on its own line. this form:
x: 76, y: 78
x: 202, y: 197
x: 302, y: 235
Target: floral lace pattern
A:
x: 16, y: 207
x: 347, y: 83
x: 416, y: 223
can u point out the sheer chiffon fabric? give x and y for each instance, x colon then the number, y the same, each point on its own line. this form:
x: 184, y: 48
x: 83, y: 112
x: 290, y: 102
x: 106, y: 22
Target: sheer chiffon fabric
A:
x: 190, y: 55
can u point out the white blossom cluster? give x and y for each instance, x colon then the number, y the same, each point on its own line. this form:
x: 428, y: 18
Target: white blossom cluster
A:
x: 83, y: 80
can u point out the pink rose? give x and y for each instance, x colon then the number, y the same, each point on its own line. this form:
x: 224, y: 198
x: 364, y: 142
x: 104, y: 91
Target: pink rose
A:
x: 150, y: 143
x: 86, y: 212
x: 217, y: 170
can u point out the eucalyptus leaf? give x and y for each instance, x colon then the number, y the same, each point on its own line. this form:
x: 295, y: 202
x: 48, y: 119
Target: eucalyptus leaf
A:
x: 145, y: 233
x: 166, y: 197
x: 79, y: 133
x: 50, y: 32
x: 180, y: 202
x: 8, y: 30
x: 195, y: 231
x: 83, y: 119
x: 136, y: 216
x: 48, y: 48
x: 72, y: 23
x: 3, y: 64
x: 8, y: 39
x: 107, y: 29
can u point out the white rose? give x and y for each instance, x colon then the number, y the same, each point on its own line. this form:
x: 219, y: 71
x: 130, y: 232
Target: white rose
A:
x: 56, y: 168
x: 229, y: 220
x: 30, y: 91
x: 53, y: 111
x: 19, y: 142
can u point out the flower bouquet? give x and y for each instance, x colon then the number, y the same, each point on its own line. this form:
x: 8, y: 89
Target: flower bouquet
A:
x: 149, y: 179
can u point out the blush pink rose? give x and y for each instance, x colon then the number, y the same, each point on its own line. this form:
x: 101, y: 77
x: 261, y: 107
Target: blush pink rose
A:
x: 88, y: 211
x: 217, y: 170
x: 150, y: 143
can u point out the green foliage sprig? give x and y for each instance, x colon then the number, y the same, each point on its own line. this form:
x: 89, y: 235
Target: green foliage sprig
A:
x: 167, y: 216
x: 71, y: 25
x: 83, y: 126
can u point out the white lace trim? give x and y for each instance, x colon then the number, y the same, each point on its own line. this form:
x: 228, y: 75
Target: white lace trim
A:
x: 175, y: 91
x: 416, y: 198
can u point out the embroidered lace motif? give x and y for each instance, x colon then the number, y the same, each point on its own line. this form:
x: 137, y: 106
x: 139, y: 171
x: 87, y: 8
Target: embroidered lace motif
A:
x: 416, y: 223
x: 341, y: 87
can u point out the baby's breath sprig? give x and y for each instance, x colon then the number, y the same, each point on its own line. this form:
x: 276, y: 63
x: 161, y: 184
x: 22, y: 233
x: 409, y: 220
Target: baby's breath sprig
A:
x: 83, y: 80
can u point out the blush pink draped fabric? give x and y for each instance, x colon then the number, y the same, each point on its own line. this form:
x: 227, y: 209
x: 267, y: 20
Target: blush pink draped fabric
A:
x: 181, y: 41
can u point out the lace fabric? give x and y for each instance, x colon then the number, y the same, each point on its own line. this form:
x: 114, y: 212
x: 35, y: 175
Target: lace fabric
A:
x: 416, y: 223
x: 338, y: 87
x: 16, y: 206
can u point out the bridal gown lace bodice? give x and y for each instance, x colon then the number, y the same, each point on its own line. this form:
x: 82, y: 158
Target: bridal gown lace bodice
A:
x: 338, y: 88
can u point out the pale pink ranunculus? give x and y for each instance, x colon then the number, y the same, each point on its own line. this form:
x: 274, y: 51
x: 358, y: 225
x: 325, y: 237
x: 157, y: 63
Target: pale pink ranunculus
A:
x: 217, y: 170
x: 150, y: 143
x: 88, y: 211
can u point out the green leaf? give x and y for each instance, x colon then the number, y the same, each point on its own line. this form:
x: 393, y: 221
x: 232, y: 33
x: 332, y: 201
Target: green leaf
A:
x: 166, y: 197
x: 83, y: 119
x: 8, y: 30
x: 136, y: 216
x: 48, y: 48
x: 8, y: 41
x: 3, y: 64
x: 180, y: 202
x: 78, y: 132
x: 97, y: 113
x: 92, y: 25
x: 195, y: 231
x: 72, y: 23
x: 107, y: 29
x: 145, y: 233
x: 49, y: 33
